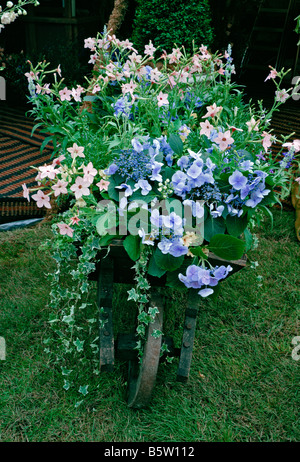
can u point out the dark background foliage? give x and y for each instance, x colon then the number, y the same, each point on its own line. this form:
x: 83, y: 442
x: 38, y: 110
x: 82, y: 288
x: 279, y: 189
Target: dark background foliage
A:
x: 169, y: 22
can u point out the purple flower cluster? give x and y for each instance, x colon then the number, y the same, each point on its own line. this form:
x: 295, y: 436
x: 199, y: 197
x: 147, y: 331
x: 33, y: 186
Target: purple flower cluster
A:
x: 287, y: 160
x: 122, y: 107
x: 246, y: 190
x: 139, y: 163
x: 194, y: 173
x: 203, y: 278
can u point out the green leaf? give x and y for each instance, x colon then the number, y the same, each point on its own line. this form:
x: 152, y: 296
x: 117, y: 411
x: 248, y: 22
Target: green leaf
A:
x: 176, y: 143
x: 236, y: 225
x: 132, y: 245
x: 213, y: 226
x: 166, y: 261
x: 153, y: 269
x: 198, y: 252
x: 227, y: 247
x: 248, y: 239
x: 83, y: 389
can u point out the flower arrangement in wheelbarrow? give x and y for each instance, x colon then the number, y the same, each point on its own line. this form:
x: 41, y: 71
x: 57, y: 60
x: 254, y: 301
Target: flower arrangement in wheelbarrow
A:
x: 171, y: 160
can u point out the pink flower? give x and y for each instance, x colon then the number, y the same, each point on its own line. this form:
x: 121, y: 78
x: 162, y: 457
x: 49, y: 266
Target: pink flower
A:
x: 206, y: 128
x: 298, y: 180
x: 26, y: 192
x: 65, y: 229
x: 58, y: 70
x: 58, y: 160
x: 155, y: 75
x: 93, y: 59
x: 76, y: 93
x: 60, y: 188
x: 175, y: 55
x: 89, y: 173
x: 48, y: 171
x: 149, y: 49
x: 212, y: 111
x: 252, y: 124
x: 42, y: 200
x: 129, y: 87
x: 75, y: 220
x: 65, y: 94
x: 273, y: 74
x: 80, y: 187
x: 162, y: 99
x: 96, y: 88
x: 295, y: 145
x: 76, y: 151
x: 103, y: 185
x: 31, y: 75
x: 89, y: 43
x: 281, y: 95
x: 266, y: 142
x: 224, y: 140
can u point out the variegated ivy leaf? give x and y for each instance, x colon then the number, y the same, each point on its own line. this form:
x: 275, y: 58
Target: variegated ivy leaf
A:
x: 153, y: 311
x: 79, y: 344
x: 156, y: 333
x: 133, y: 295
x: 66, y: 385
x: 68, y: 319
x: 83, y: 389
x: 66, y: 371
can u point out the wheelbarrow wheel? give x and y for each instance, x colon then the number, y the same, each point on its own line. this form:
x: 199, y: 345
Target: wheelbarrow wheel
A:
x: 142, y: 375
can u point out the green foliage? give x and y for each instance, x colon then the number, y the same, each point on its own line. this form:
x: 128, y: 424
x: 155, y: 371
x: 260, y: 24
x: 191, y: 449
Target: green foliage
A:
x: 167, y: 22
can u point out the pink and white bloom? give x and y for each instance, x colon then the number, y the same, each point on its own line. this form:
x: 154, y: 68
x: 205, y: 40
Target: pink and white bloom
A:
x: 76, y: 151
x: 212, y: 110
x: 60, y: 188
x: 89, y: 173
x: 76, y: 92
x: 129, y: 88
x: 162, y: 99
x: 65, y: 94
x: 80, y: 187
x: 267, y: 140
x: 65, y: 230
x: 281, y: 95
x: 272, y: 75
x: 206, y: 128
x: 295, y: 145
x: 298, y: 180
x: 48, y: 171
x: 26, y: 192
x: 90, y: 43
x: 224, y: 140
x: 75, y: 220
x: 103, y: 185
x: 155, y: 75
x: 93, y: 59
x: 31, y: 75
x: 58, y: 160
x: 175, y: 56
x: 96, y: 88
x: 149, y: 49
x: 58, y: 70
x: 252, y: 124
x: 42, y: 200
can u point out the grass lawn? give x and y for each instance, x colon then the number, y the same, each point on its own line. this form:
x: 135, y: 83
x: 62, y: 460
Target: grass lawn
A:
x: 243, y: 385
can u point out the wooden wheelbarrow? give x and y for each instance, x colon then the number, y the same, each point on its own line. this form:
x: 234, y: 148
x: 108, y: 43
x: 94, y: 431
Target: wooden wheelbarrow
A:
x: 116, y: 267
